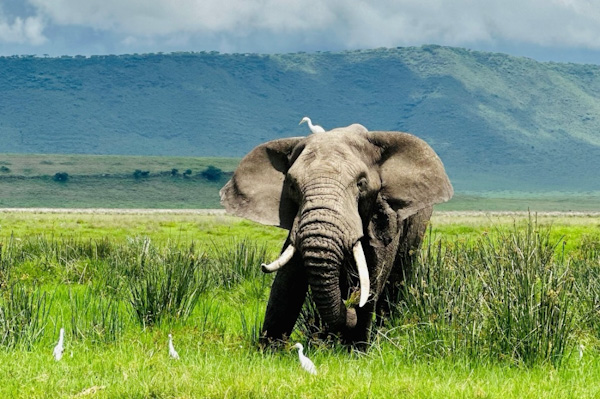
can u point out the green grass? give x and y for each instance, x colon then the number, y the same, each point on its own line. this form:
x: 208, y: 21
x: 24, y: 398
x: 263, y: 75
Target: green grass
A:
x: 211, y: 230
x: 449, y: 338
x: 98, y: 192
x: 217, y: 369
x: 524, y: 201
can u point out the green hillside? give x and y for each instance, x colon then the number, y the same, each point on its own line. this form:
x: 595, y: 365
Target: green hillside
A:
x: 498, y: 122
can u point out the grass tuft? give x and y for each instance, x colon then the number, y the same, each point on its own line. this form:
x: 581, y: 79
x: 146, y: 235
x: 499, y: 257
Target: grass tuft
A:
x: 504, y: 295
x: 167, y: 285
x: 95, y: 317
x: 24, y: 314
x: 237, y: 261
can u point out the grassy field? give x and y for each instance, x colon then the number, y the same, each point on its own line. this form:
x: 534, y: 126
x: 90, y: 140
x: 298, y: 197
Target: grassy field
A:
x: 107, y: 181
x: 497, y: 306
x: 524, y: 201
x: 110, y: 181
x: 35, y: 165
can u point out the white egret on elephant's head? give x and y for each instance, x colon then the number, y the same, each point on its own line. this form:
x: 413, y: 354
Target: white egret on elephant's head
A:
x: 313, y: 128
x: 172, y: 352
x: 305, y: 362
x: 59, y: 348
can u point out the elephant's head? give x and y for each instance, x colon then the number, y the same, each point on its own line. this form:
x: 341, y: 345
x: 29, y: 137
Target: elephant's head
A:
x: 331, y: 191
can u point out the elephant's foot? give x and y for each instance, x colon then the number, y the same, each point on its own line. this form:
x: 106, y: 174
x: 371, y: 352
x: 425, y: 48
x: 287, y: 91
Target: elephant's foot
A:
x: 356, y: 339
x: 269, y: 342
x: 358, y: 327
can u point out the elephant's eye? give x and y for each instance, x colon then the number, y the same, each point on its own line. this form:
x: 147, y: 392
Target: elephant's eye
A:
x: 362, y: 184
x: 293, y: 189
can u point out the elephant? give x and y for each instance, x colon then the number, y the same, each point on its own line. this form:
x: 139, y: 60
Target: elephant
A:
x: 356, y: 204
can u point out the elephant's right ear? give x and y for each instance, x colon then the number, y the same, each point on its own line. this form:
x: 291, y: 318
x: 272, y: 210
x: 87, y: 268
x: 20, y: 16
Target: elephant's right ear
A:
x: 255, y: 191
x: 413, y: 176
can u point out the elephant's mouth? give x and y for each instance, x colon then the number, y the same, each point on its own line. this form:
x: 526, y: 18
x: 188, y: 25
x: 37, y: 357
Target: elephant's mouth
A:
x: 359, y: 259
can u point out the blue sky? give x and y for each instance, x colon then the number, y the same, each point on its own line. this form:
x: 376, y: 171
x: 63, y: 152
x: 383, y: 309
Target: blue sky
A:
x: 555, y: 30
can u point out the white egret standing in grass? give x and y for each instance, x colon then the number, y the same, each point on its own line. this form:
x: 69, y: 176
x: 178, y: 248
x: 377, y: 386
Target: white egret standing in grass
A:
x: 172, y: 352
x: 581, y: 348
x: 305, y: 362
x: 59, y: 348
x: 313, y: 128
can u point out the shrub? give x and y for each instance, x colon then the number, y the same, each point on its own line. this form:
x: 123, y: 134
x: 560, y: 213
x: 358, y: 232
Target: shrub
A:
x: 212, y: 173
x: 4, y: 169
x: 61, y: 177
x: 141, y: 173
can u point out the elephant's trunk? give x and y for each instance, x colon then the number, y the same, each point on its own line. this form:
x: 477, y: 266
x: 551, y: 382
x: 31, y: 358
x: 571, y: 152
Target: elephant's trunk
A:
x: 323, y: 272
x: 325, y: 237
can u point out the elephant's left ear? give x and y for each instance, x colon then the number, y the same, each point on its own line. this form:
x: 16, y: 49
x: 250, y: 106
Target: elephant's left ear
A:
x: 412, y: 175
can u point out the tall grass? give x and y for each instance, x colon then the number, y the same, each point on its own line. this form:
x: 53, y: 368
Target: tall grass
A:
x: 167, y: 284
x: 503, y: 295
x: 586, y: 266
x: 252, y: 315
x: 529, y: 297
x: 309, y: 322
x: 237, y: 261
x: 41, y: 257
x: 4, y: 265
x: 7, y: 260
x: 24, y: 315
x: 95, y: 317
x: 500, y: 296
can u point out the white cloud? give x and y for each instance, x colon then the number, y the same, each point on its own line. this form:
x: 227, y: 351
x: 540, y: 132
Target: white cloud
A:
x: 343, y: 23
x: 163, y: 17
x: 27, y: 30
x: 460, y: 22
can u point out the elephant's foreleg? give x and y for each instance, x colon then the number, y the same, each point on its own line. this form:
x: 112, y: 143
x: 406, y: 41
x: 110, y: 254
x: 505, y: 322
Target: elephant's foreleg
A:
x: 409, y: 238
x: 285, y: 300
x: 359, y: 335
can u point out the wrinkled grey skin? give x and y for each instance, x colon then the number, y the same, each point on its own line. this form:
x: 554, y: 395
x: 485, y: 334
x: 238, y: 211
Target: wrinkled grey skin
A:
x: 331, y: 190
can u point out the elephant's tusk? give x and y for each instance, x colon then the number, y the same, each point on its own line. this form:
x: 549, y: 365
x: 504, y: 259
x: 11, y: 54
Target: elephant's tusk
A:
x: 279, y: 262
x: 363, y: 273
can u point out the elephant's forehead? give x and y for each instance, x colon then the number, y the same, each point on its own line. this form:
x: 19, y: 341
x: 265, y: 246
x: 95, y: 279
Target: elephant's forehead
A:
x: 338, y: 143
x: 341, y: 153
